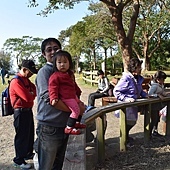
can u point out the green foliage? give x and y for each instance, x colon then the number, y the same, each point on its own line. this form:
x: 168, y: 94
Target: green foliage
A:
x: 23, y: 48
x: 97, y: 32
x: 41, y: 61
x: 152, y: 30
x: 54, y: 5
x: 5, y: 60
x: 91, y: 37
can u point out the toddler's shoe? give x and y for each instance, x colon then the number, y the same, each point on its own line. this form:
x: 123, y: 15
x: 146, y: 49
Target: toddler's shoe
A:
x: 72, y: 131
x: 80, y: 125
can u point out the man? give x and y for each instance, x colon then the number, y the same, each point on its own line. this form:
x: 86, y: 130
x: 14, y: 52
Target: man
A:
x: 22, y: 93
x: 52, y: 120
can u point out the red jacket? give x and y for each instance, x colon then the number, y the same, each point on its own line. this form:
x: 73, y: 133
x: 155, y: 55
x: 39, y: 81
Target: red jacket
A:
x: 62, y: 86
x: 22, y: 92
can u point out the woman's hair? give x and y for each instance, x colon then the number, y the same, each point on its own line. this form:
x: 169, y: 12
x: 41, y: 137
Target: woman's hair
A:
x: 159, y: 75
x: 47, y: 41
x: 133, y: 64
x: 65, y: 54
x: 100, y: 72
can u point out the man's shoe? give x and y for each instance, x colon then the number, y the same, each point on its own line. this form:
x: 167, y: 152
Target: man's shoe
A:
x: 72, y: 131
x: 30, y: 156
x: 130, y: 142
x: 23, y: 166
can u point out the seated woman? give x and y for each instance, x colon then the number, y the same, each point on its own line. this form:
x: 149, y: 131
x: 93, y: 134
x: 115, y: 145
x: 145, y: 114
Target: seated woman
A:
x: 128, y: 89
x: 102, y: 91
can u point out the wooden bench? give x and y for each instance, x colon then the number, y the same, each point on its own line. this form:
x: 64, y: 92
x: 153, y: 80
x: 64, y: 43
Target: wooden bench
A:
x: 146, y: 82
x: 107, y: 100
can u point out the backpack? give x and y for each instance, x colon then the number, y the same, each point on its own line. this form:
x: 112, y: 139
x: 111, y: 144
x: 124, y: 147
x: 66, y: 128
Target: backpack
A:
x: 6, y: 106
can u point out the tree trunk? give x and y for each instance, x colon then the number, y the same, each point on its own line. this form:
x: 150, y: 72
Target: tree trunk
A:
x: 77, y: 63
x: 147, y: 63
x: 94, y: 61
x: 105, y: 59
x: 124, y: 41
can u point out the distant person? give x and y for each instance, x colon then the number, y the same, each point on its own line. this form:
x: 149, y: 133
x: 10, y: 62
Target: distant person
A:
x: 102, y: 91
x: 62, y: 86
x: 157, y: 90
x: 128, y: 89
x: 22, y: 93
x: 3, y: 72
x: 79, y: 70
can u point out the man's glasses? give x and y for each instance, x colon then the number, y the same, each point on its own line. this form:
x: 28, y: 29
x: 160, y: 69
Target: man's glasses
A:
x: 49, y: 50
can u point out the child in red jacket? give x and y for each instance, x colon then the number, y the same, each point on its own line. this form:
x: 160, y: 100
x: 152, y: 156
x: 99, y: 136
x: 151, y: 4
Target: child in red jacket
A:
x: 62, y: 86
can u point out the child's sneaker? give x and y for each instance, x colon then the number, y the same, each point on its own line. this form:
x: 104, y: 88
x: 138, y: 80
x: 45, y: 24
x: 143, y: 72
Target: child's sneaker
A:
x: 23, y: 166
x: 72, y: 131
x: 80, y: 125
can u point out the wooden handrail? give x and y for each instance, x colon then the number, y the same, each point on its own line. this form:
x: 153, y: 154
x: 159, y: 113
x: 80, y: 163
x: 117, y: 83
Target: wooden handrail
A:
x: 98, y: 115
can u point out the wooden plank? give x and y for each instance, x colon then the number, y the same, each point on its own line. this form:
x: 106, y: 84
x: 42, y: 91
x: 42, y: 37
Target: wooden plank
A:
x: 75, y: 157
x: 123, y: 130
x: 100, y: 139
x: 168, y: 120
x: 147, y: 116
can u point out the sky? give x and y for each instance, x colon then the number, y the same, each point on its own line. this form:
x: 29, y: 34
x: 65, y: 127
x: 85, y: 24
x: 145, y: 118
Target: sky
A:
x: 18, y: 20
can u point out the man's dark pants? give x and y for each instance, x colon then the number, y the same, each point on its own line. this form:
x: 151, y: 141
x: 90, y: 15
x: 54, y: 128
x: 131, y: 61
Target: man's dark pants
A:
x: 24, y: 138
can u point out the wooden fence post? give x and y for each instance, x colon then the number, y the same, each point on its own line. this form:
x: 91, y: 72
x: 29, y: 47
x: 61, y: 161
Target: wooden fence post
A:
x: 147, y: 116
x: 100, y: 139
x: 168, y: 119
x: 123, y: 130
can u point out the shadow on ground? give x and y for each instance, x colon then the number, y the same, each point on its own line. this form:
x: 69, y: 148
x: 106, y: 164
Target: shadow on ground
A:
x: 155, y: 155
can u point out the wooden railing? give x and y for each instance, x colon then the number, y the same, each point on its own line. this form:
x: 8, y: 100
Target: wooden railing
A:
x: 90, y: 76
x: 98, y: 114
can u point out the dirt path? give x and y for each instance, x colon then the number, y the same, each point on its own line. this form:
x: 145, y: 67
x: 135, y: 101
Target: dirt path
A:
x: 155, y: 157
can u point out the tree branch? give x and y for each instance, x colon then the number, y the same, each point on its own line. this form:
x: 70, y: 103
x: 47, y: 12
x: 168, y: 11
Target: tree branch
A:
x: 157, y: 45
x: 135, y: 51
x: 133, y: 20
x: 155, y: 31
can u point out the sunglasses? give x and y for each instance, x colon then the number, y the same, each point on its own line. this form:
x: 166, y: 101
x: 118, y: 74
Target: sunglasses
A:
x: 49, y: 50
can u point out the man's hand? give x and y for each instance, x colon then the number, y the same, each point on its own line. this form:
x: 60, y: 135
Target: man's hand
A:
x: 82, y: 108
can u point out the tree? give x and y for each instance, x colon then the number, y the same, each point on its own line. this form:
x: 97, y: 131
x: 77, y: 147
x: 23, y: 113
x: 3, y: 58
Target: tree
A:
x: 23, y: 48
x: 116, y: 8
x: 101, y: 29
x: 91, y: 37
x: 5, y: 60
x: 152, y: 28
